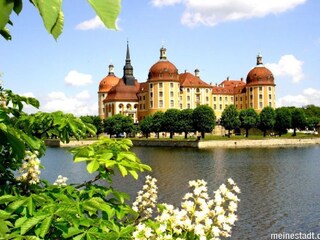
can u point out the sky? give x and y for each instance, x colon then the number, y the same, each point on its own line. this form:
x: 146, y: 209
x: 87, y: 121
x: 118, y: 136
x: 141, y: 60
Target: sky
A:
x: 221, y: 38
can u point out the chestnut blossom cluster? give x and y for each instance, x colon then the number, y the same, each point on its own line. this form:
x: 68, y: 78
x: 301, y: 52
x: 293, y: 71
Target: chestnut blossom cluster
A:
x: 199, y: 217
x: 147, y: 199
x: 61, y: 181
x: 30, y: 170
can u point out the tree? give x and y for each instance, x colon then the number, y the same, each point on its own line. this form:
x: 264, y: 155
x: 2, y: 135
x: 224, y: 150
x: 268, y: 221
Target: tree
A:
x: 95, y: 121
x: 283, y: 120
x: 298, y: 120
x: 267, y: 119
x: 171, y: 121
x: 186, y: 122
x: 118, y: 124
x: 157, y: 123
x: 146, y: 125
x: 230, y: 118
x: 204, y: 119
x: 52, y: 15
x: 249, y: 119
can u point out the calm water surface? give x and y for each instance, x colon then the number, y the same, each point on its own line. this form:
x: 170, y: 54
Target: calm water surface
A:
x: 280, y: 186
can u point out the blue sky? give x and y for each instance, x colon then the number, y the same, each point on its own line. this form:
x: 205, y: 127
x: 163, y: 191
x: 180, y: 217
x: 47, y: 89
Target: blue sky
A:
x: 221, y: 38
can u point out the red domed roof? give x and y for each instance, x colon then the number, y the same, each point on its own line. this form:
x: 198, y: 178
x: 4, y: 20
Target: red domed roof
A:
x: 163, y: 70
x: 260, y: 75
x: 108, y: 82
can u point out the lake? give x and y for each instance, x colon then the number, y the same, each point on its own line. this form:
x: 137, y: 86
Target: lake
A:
x: 280, y: 186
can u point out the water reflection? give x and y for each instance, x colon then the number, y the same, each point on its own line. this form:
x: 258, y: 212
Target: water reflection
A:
x: 280, y: 186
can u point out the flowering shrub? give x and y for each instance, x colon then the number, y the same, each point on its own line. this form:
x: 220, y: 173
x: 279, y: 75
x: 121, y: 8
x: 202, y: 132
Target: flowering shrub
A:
x: 200, y: 217
x: 30, y: 169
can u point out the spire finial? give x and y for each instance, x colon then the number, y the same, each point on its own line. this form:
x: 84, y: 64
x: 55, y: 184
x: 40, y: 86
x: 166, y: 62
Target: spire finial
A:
x: 128, y: 52
x: 259, y: 59
x: 163, y: 55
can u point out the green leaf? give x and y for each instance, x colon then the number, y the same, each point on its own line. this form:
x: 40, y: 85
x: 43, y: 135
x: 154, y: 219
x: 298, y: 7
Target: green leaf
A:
x: 15, y: 205
x: 93, y: 166
x: 5, y: 33
x: 123, y: 170
x: 17, y: 6
x: 6, y: 7
x: 45, y: 225
x: 31, y: 222
x: 107, y: 10
x: 51, y: 14
x: 134, y: 174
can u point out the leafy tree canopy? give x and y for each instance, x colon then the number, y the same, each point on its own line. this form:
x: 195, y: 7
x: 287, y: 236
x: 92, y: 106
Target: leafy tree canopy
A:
x: 52, y: 14
x: 230, y: 118
x: 204, y: 119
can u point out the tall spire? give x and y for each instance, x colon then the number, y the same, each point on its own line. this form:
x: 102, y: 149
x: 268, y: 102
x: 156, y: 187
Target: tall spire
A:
x: 128, y: 77
x: 128, y: 60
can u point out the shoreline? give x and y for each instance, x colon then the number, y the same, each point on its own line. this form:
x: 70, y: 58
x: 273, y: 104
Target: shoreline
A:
x: 243, y: 143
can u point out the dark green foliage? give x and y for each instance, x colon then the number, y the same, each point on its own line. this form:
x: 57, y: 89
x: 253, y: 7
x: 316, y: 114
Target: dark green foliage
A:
x: 157, y: 123
x: 204, y: 119
x: 186, y: 122
x: 298, y: 120
x: 267, y: 119
x: 283, y: 120
x: 118, y: 124
x: 248, y: 119
x: 146, y: 125
x: 230, y: 118
x: 171, y: 121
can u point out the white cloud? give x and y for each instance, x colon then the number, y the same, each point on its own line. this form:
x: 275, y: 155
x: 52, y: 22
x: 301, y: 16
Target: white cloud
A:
x: 94, y: 23
x: 75, y: 78
x: 308, y: 96
x: 160, y: 3
x: 212, y: 12
x: 78, y: 105
x: 288, y: 66
x: 84, y: 95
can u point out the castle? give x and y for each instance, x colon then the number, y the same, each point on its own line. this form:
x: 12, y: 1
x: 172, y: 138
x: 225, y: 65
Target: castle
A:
x: 166, y: 88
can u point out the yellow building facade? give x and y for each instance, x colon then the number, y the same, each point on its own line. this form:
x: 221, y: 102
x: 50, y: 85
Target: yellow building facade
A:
x: 166, y: 89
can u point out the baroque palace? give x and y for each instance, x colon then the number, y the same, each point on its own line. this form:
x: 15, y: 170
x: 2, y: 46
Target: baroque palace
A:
x: 166, y: 88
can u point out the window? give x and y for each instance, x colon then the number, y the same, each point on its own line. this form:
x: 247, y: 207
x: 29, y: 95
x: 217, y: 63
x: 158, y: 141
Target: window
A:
x: 180, y: 105
x: 214, y: 98
x: 188, y: 105
x: 161, y: 103
x: 171, y: 85
x: 207, y: 90
x: 231, y: 99
x: 151, y: 85
x: 151, y: 94
x: 260, y: 105
x: 160, y: 85
x: 171, y: 103
x: 251, y: 97
x: 207, y: 99
x: 270, y: 104
x: 226, y: 99
x: 171, y: 94
x: 214, y: 106
x: 144, y: 97
x: 220, y: 107
x: 151, y: 104
x: 260, y: 89
x: 188, y: 90
x: 270, y: 89
x: 260, y: 96
x: 270, y: 96
x: 251, y: 89
x: 220, y: 99
x: 188, y: 98
x: 160, y: 94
